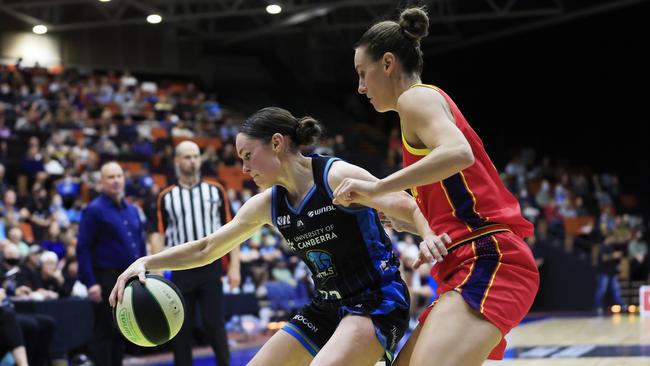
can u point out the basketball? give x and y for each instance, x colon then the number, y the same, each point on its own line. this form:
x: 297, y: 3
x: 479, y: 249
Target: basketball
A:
x: 150, y: 314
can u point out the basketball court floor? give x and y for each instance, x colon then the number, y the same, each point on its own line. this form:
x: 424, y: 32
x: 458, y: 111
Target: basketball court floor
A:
x: 618, y: 340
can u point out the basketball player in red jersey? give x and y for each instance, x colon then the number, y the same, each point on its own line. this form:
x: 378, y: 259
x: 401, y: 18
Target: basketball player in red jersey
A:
x: 488, y: 280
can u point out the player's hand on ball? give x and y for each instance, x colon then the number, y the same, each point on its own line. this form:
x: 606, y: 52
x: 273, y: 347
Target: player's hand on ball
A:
x: 138, y: 269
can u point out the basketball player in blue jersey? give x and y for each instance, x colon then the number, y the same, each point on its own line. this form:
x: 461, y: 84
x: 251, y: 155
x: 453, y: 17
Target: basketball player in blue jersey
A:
x: 361, y: 308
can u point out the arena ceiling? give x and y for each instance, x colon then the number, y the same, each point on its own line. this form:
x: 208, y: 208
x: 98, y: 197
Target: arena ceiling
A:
x: 454, y: 23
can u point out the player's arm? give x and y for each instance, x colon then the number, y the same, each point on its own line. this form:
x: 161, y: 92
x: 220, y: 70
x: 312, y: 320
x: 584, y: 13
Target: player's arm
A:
x: 398, y: 205
x: 397, y: 224
x: 255, y: 213
x: 423, y: 114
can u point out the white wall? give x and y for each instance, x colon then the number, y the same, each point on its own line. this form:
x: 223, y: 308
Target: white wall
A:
x: 44, y: 49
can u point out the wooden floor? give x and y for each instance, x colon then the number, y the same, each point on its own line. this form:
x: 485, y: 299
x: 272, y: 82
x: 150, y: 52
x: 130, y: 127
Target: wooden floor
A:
x: 618, y: 340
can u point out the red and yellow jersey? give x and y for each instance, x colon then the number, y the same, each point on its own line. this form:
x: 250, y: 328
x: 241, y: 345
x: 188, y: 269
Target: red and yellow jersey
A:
x: 472, y: 202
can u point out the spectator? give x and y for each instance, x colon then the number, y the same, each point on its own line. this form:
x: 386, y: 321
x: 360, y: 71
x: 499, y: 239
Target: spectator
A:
x: 607, y: 278
x: 12, y: 274
x: 71, y: 285
x: 637, y: 252
x: 180, y: 130
x: 58, y: 212
x: 53, y: 241
x: 15, y: 236
x: 68, y: 186
x: 51, y: 279
x: 39, y: 212
x: 8, y: 205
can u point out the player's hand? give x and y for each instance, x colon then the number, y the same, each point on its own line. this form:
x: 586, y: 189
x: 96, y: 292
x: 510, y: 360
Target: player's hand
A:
x: 95, y: 293
x: 352, y: 191
x: 234, y: 277
x: 432, y: 249
x: 136, y: 268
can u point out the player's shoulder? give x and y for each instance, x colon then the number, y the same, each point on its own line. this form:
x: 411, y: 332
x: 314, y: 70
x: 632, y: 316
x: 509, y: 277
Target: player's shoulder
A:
x: 339, y: 170
x: 418, y: 96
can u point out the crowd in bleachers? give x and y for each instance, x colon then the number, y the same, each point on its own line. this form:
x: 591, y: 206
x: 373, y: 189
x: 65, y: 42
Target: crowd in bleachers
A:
x: 581, y: 211
x: 57, y: 128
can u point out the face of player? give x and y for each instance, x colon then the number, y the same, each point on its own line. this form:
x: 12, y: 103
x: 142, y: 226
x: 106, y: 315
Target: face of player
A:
x: 374, y: 81
x: 259, y: 160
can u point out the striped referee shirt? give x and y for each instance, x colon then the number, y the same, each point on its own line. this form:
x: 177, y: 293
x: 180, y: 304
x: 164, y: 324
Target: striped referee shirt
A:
x: 187, y: 214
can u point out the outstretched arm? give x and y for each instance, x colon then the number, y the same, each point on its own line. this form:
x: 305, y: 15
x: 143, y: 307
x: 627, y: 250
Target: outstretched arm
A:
x: 398, y: 205
x: 253, y: 214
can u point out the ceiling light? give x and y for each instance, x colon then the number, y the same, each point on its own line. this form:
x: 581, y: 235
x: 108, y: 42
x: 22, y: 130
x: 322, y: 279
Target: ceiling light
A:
x: 39, y: 29
x: 104, y: 1
x: 273, y: 9
x: 154, y: 19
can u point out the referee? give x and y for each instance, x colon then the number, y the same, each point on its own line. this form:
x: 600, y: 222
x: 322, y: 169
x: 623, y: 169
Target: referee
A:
x: 187, y: 211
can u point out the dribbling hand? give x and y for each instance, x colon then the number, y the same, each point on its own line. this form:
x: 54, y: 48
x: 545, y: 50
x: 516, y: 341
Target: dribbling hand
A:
x: 138, y: 269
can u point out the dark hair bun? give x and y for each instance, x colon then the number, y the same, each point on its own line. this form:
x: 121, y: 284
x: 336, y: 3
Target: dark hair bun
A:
x: 308, y: 131
x: 415, y: 23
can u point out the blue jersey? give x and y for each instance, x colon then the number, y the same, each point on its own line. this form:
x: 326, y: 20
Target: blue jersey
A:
x: 348, y: 252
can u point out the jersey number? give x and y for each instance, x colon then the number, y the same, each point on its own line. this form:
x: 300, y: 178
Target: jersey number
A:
x: 330, y: 295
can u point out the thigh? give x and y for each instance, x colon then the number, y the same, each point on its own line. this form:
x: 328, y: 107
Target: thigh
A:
x: 353, y: 343
x: 282, y: 350
x: 404, y: 356
x: 454, y: 334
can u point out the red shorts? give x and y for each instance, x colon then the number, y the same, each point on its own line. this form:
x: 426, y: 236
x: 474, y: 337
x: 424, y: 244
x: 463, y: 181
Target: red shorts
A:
x: 496, y: 275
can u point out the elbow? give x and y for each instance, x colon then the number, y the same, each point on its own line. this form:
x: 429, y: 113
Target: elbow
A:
x: 203, y: 249
x: 465, y: 157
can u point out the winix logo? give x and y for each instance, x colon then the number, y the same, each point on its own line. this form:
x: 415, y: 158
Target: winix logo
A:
x: 284, y: 220
x: 321, y: 210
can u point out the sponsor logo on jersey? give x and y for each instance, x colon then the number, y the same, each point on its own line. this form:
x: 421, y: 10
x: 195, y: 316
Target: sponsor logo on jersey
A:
x: 323, y: 263
x: 321, y: 210
x: 284, y: 220
x: 300, y: 225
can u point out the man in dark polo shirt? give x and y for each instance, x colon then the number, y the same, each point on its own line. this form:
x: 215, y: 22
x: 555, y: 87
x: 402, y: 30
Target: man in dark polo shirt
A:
x: 111, y: 237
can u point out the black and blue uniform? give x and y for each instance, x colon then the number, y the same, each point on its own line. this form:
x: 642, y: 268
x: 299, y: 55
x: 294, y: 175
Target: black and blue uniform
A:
x: 353, y: 266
